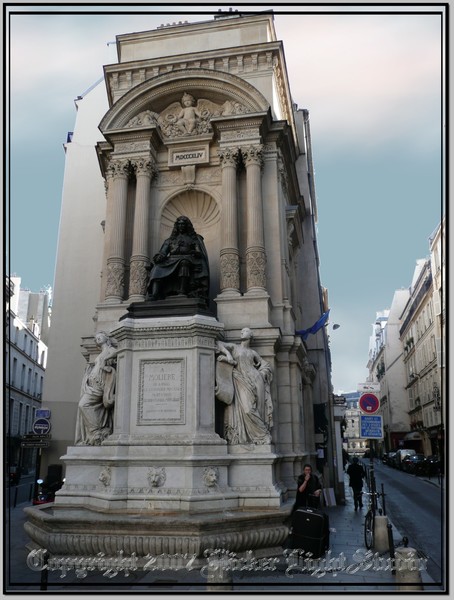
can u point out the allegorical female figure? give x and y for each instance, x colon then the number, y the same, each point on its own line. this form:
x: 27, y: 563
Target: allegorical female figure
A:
x: 94, y: 415
x: 243, y: 381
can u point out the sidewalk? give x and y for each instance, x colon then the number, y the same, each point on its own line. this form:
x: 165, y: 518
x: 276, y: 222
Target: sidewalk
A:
x: 347, y: 537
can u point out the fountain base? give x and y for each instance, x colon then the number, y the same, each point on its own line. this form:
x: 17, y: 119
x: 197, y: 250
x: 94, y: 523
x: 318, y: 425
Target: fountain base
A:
x: 79, y: 531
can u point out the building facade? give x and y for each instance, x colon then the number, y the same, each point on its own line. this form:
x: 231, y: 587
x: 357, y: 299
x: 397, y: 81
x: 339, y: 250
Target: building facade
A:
x: 436, y: 431
x: 25, y: 364
x: 418, y: 335
x: 407, y: 358
x: 194, y: 121
x: 355, y: 445
x: 386, y: 367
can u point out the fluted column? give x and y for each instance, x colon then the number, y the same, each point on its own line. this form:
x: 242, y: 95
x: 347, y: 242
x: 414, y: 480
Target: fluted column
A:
x: 229, y: 254
x: 118, y: 175
x: 138, y: 278
x: 255, y: 245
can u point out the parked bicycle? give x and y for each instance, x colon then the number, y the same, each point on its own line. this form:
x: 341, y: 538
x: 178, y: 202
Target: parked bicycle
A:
x: 369, y: 521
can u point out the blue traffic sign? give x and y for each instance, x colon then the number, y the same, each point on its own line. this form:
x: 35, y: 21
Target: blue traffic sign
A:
x: 41, y: 426
x: 42, y: 413
x: 371, y: 426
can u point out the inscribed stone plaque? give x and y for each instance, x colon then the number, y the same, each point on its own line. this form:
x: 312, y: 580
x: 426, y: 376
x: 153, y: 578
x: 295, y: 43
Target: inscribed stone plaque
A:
x: 161, y: 392
x: 189, y: 156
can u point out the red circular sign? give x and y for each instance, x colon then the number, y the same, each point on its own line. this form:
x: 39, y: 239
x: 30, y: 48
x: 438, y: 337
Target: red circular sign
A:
x: 369, y: 403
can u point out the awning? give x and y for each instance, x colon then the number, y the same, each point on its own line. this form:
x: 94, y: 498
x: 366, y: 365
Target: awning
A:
x: 413, y: 435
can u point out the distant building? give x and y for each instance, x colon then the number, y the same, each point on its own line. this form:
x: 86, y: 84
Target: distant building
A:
x: 387, y: 368
x: 25, y: 361
x: 438, y: 267
x: 407, y: 359
x: 422, y: 365
x: 355, y: 445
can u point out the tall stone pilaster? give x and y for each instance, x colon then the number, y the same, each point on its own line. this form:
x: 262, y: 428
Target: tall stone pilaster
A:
x: 119, y: 170
x: 145, y: 170
x: 255, y: 245
x: 229, y: 254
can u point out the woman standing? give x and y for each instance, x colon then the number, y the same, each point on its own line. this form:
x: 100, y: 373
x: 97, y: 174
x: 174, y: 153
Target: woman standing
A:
x: 249, y: 413
x: 94, y: 416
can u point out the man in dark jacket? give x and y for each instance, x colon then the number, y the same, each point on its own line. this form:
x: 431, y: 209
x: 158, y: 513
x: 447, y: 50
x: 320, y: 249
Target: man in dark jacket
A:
x: 308, y: 491
x: 356, y: 473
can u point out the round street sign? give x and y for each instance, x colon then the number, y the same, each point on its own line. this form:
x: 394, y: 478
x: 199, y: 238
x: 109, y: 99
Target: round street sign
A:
x: 41, y: 426
x: 369, y: 403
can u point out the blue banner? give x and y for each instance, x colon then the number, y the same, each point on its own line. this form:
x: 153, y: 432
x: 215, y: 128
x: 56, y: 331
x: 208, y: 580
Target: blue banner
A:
x: 315, y: 327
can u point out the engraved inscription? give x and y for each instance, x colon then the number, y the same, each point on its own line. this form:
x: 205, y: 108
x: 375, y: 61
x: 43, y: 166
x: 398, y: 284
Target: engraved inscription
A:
x: 197, y: 155
x: 161, y: 398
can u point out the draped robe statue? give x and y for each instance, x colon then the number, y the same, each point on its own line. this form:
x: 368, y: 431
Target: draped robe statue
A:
x: 94, y: 415
x: 243, y: 381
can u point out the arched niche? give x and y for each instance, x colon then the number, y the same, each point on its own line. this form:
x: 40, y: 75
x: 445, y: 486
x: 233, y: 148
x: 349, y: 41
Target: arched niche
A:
x: 203, y: 211
x: 158, y: 93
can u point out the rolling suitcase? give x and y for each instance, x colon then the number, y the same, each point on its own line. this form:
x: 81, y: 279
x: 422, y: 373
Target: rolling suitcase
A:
x: 310, y: 531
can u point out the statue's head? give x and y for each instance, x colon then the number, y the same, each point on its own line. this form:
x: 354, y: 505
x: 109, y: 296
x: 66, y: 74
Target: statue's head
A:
x: 188, y: 100
x: 102, y: 337
x: 183, y: 224
x: 246, y: 334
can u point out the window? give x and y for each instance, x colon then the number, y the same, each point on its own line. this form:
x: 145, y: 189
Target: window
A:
x: 27, y: 417
x: 21, y: 415
x: 11, y: 415
x: 22, y: 377
x: 13, y: 375
x: 29, y: 381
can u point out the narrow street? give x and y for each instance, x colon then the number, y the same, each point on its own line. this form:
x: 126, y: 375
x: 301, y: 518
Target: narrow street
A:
x: 416, y: 508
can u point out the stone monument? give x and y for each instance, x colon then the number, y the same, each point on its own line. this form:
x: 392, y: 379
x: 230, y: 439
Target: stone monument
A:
x: 194, y: 418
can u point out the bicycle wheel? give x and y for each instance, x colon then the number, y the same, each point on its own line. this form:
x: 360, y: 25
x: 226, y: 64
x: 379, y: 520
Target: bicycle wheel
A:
x: 369, y: 530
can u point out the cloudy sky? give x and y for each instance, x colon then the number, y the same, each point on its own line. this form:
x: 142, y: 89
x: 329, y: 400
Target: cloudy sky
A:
x: 373, y: 84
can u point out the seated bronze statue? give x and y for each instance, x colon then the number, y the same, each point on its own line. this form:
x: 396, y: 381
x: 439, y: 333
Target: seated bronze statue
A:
x: 180, y: 268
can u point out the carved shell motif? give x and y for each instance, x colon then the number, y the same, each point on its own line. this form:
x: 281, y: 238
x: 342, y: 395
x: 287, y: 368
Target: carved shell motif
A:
x: 187, y: 118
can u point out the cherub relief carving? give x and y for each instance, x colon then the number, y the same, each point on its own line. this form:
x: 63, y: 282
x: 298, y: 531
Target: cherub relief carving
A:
x: 188, y: 117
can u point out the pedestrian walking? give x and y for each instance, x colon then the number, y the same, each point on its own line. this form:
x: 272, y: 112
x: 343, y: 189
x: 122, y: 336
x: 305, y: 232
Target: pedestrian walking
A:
x: 356, y: 473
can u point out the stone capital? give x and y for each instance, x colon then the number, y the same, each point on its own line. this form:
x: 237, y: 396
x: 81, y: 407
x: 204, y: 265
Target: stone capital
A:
x: 252, y: 155
x: 229, y: 157
x: 144, y: 166
x: 118, y: 168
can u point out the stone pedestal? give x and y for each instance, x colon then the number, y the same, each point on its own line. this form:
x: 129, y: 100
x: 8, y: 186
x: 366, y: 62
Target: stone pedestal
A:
x: 250, y: 310
x: 164, y: 453
x: 164, y: 478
